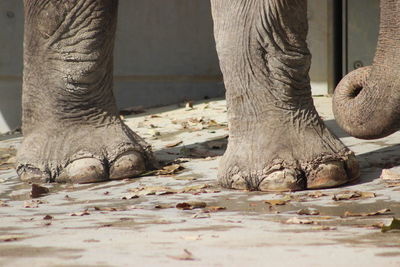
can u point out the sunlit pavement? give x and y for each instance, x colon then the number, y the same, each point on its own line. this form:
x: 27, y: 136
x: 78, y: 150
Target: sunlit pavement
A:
x: 179, y: 216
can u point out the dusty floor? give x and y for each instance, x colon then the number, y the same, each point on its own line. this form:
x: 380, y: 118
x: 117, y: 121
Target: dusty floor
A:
x: 136, y: 222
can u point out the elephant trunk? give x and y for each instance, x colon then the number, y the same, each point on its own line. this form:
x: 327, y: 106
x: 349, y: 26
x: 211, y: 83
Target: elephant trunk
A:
x: 366, y: 103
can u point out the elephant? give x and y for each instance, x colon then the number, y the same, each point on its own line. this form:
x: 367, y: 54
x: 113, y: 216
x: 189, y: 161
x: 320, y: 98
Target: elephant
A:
x: 365, y: 101
x: 277, y: 141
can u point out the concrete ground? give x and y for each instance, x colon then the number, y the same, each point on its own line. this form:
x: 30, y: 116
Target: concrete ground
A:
x: 180, y: 217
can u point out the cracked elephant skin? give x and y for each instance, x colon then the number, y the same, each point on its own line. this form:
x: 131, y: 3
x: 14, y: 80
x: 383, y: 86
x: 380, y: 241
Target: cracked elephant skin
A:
x: 72, y: 131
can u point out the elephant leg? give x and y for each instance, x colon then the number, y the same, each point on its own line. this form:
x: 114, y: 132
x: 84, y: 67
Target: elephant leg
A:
x: 72, y: 131
x: 277, y: 141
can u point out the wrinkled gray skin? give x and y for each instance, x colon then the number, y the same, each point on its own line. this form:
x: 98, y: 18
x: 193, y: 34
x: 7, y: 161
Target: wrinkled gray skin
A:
x: 71, y: 125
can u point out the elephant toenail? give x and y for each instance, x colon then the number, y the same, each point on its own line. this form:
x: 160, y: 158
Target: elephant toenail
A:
x: 127, y: 165
x: 84, y: 170
x: 282, y: 180
x: 326, y: 175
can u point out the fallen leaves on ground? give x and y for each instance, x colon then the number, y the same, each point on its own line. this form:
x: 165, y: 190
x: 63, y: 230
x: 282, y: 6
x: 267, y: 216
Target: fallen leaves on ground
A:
x: 394, y: 225
x: 316, y: 194
x: 150, y: 190
x: 163, y: 206
x: 107, y: 209
x: 186, y: 256
x: 296, y: 220
x: 391, y: 178
x: 185, y: 178
x: 174, y: 144
x: 393, y: 185
x: 190, y: 205
x: 10, y: 238
x: 32, y: 203
x: 83, y: 213
x: 48, y: 217
x: 389, y: 175
x: 163, y: 190
x: 201, y: 215
x: 279, y: 202
x: 366, y: 214
x: 38, y: 191
x: 308, y: 211
x: 194, y: 188
x: 351, y: 195
x: 215, y: 208
x: 3, y: 203
x: 170, y: 169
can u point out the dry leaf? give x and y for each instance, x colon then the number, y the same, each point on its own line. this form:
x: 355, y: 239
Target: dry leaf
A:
x: 32, y: 203
x: 296, y: 220
x: 83, y: 213
x: 48, y: 217
x: 38, y: 191
x: 187, y: 256
x: 368, y: 195
x: 150, y: 190
x: 130, y: 196
x: 365, y: 214
x: 174, y: 144
x: 316, y: 194
x: 389, y: 185
x: 170, y: 169
x: 155, y: 116
x: 394, y: 225
x: 194, y: 188
x: 308, y: 211
x: 10, y: 238
x: 389, y: 175
x: 201, y: 215
x: 212, y: 123
x: 196, y: 120
x: 185, y: 178
x: 106, y: 209
x: 191, y: 205
x: 348, y: 195
x: 163, y: 206
x: 215, y: 208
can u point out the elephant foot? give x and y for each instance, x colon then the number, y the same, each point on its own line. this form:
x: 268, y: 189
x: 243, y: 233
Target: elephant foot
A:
x: 272, y: 157
x: 83, y: 155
